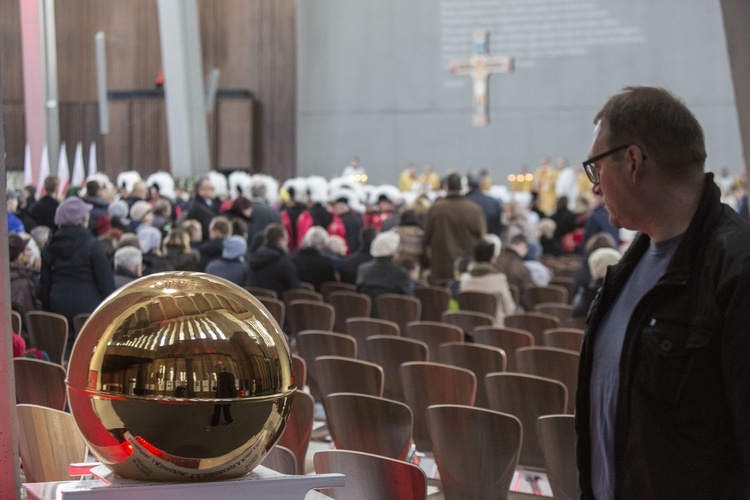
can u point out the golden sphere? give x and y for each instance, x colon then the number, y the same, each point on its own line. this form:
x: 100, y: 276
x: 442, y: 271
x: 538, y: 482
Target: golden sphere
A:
x: 181, y: 377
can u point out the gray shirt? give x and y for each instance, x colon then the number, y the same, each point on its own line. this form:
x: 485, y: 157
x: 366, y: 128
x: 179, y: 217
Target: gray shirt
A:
x: 605, y: 375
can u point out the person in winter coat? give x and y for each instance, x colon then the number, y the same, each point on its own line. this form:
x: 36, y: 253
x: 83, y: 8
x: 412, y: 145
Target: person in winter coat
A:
x: 311, y: 265
x: 76, y: 275
x: 231, y: 266
x: 270, y: 265
x: 22, y: 298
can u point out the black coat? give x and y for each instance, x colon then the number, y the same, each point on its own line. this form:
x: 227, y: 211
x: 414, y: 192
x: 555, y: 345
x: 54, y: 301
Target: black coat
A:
x: 270, y: 267
x: 312, y: 267
x: 44, y: 210
x: 493, y: 210
x: 381, y: 276
x: 76, y: 275
x: 350, y: 265
x: 199, y: 210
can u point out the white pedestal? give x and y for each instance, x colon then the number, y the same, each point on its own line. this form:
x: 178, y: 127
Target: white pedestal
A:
x: 261, y: 483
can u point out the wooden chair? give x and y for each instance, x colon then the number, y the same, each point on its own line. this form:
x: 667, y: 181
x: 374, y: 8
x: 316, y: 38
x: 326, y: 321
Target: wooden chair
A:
x: 559, y: 310
x: 476, y: 450
x: 401, y: 309
x: 306, y: 286
x: 335, y: 286
x: 298, y: 428
x: 468, y: 321
x: 564, y: 338
x: 527, y: 397
x: 78, y: 321
x: 480, y: 359
x: 371, y: 477
x: 259, y: 291
x: 533, y: 295
x: 434, y: 300
x: 477, y: 302
x: 48, y: 332
x: 425, y: 384
x: 339, y: 374
x: 349, y: 305
x: 314, y: 343
x: 362, y: 328
x: 300, y: 371
x: 309, y: 315
x: 433, y: 334
x: 301, y: 294
x: 281, y: 459
x: 532, y: 322
x: 568, y: 282
x: 554, y: 363
x: 276, y: 307
x: 16, y: 322
x: 507, y: 339
x: 390, y: 352
x: 48, y: 441
x: 557, y: 439
x: 40, y: 383
x: 369, y: 424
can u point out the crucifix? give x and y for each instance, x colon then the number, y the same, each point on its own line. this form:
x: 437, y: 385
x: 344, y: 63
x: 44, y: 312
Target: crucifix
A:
x: 480, y: 66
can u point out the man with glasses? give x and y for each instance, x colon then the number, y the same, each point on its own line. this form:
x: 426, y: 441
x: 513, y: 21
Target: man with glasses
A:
x: 663, y: 404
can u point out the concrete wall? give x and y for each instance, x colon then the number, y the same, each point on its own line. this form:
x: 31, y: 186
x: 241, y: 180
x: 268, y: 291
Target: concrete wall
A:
x: 373, y: 79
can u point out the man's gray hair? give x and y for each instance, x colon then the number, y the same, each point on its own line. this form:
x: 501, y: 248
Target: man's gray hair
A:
x: 128, y: 258
x: 316, y: 237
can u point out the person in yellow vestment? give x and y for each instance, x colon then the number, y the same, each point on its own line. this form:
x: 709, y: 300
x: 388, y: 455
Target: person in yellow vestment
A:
x: 544, y: 182
x: 408, y: 178
x: 429, y: 179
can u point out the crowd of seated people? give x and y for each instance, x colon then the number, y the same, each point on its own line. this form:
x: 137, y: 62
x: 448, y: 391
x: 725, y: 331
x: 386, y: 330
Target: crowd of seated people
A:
x: 68, y: 249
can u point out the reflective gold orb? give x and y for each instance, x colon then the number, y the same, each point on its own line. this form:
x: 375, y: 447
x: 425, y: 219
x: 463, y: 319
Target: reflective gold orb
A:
x: 181, y: 377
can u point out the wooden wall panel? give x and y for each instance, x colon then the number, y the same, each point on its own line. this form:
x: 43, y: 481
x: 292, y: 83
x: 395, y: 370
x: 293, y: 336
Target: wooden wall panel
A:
x: 15, y: 133
x: 251, y: 41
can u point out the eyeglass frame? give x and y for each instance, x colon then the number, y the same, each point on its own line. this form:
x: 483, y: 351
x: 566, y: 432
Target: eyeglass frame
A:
x: 588, y: 165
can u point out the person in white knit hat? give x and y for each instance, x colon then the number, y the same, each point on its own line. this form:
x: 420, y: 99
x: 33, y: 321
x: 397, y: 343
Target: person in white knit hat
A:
x: 381, y: 275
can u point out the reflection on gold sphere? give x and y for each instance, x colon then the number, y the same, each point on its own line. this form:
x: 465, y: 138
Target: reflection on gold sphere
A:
x: 181, y: 377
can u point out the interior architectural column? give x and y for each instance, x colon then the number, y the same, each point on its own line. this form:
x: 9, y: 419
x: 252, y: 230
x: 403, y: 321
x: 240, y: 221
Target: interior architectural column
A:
x: 736, y: 15
x: 183, y: 87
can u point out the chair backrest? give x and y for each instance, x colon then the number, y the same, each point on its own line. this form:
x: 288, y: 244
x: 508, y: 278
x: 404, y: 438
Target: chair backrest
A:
x: 338, y: 374
x: 259, y: 291
x: 347, y: 305
x: 371, y: 477
x: 567, y: 282
x: 298, y: 428
x: 276, y: 307
x: 425, y: 384
x: 314, y: 343
x: 309, y: 315
x: 480, y: 359
x: 434, y: 300
x: 433, y: 334
x: 48, y: 332
x: 534, y: 295
x: 477, y: 302
x: 361, y: 328
x: 468, y: 321
x: 335, y: 286
x: 78, y: 321
x: 301, y: 294
x: 48, y: 441
x: 300, y: 371
x: 557, y: 439
x: 281, y: 459
x: 16, y: 322
x: 527, y: 397
x: 40, y: 383
x: 554, y: 363
x: 557, y: 309
x: 476, y: 450
x: 306, y: 286
x: 401, y: 309
x: 533, y: 322
x: 390, y: 352
x: 507, y: 339
x: 369, y: 424
x: 564, y: 338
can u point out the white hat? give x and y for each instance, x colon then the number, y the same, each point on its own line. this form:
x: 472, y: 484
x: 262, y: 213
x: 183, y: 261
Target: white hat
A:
x: 600, y: 259
x: 385, y: 244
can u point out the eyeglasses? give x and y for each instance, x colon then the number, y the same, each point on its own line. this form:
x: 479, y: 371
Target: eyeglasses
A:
x: 588, y: 165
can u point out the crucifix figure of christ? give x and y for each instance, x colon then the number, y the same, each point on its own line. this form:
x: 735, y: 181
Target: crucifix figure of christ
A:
x: 480, y: 66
